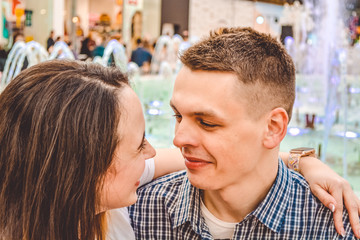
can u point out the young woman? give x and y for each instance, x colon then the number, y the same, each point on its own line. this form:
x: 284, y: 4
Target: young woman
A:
x: 72, y: 147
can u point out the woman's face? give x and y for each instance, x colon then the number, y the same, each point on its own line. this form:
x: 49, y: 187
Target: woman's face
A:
x: 122, y: 177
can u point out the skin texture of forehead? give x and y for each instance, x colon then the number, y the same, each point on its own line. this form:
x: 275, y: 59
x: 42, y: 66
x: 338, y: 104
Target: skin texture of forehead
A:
x: 127, y: 95
x: 187, y: 78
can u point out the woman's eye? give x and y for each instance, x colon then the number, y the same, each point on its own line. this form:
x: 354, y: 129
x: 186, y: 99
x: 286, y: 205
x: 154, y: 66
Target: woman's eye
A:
x: 143, y: 145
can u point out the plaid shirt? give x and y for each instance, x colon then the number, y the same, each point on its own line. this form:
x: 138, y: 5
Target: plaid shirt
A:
x: 169, y: 208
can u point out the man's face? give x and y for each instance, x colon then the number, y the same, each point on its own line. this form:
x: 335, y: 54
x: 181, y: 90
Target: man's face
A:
x: 221, y: 143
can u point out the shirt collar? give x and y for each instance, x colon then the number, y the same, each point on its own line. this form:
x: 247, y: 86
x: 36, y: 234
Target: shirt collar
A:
x: 272, y: 210
x: 187, y: 207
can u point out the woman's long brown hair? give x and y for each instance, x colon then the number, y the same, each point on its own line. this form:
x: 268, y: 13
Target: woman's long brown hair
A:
x: 58, y: 132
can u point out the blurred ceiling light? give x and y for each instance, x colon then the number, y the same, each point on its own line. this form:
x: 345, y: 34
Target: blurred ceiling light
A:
x: 156, y: 103
x: 260, y: 19
x: 43, y: 11
x: 75, y: 19
x: 348, y: 134
x: 294, y: 131
x: 289, y: 41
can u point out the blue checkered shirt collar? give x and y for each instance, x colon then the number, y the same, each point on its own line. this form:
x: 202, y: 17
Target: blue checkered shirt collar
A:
x: 271, y: 211
x: 185, y: 208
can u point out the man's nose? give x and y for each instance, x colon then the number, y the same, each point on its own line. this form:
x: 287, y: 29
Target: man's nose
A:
x: 185, y: 134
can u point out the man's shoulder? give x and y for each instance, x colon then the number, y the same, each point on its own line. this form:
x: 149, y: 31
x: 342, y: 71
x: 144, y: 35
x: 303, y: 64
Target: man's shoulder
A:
x: 314, y: 215
x: 165, y: 184
x: 301, y: 190
x: 163, y: 209
x: 160, y: 194
x: 302, y: 197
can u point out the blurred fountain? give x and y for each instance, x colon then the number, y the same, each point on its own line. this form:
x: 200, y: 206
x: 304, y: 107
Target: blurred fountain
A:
x: 160, y: 52
x: 35, y: 53
x: 328, y: 51
x: 319, y: 49
x: 166, y: 50
x: 119, y: 55
x: 61, y: 51
x: 133, y: 70
x: 133, y: 74
x: 32, y: 51
x: 11, y: 62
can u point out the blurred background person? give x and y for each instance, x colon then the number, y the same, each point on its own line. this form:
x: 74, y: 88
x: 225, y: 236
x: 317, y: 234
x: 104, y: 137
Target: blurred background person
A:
x: 141, y: 56
x: 87, y: 46
x: 50, y: 41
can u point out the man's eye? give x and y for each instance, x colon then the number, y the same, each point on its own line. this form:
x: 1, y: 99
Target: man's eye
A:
x: 208, y: 125
x: 178, y: 117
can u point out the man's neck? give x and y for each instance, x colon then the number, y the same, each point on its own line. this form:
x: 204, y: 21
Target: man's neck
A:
x: 235, y: 202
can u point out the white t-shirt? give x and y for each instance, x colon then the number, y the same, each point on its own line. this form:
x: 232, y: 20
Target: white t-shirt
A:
x: 218, y: 228
x: 118, y: 219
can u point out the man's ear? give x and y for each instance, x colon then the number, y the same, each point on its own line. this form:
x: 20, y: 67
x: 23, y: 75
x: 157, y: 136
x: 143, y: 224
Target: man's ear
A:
x: 276, y: 128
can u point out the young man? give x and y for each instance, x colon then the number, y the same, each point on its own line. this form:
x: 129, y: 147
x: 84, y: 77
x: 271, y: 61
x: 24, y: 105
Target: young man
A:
x: 233, y: 100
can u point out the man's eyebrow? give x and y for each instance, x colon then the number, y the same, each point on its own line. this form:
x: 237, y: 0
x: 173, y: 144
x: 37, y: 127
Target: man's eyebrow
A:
x: 206, y: 113
x: 173, y: 107
x: 142, y: 141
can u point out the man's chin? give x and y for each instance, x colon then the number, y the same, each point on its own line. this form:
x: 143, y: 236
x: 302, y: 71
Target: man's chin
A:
x: 200, y: 182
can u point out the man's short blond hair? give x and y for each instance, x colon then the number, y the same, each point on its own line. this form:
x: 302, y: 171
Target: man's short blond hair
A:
x: 260, y: 62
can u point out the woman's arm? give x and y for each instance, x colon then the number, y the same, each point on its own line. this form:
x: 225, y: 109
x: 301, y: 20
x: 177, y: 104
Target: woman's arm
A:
x: 168, y: 160
x: 331, y: 189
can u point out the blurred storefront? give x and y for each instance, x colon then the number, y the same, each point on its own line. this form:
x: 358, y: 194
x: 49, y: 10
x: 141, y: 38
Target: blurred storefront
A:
x: 131, y: 19
x: 72, y: 18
